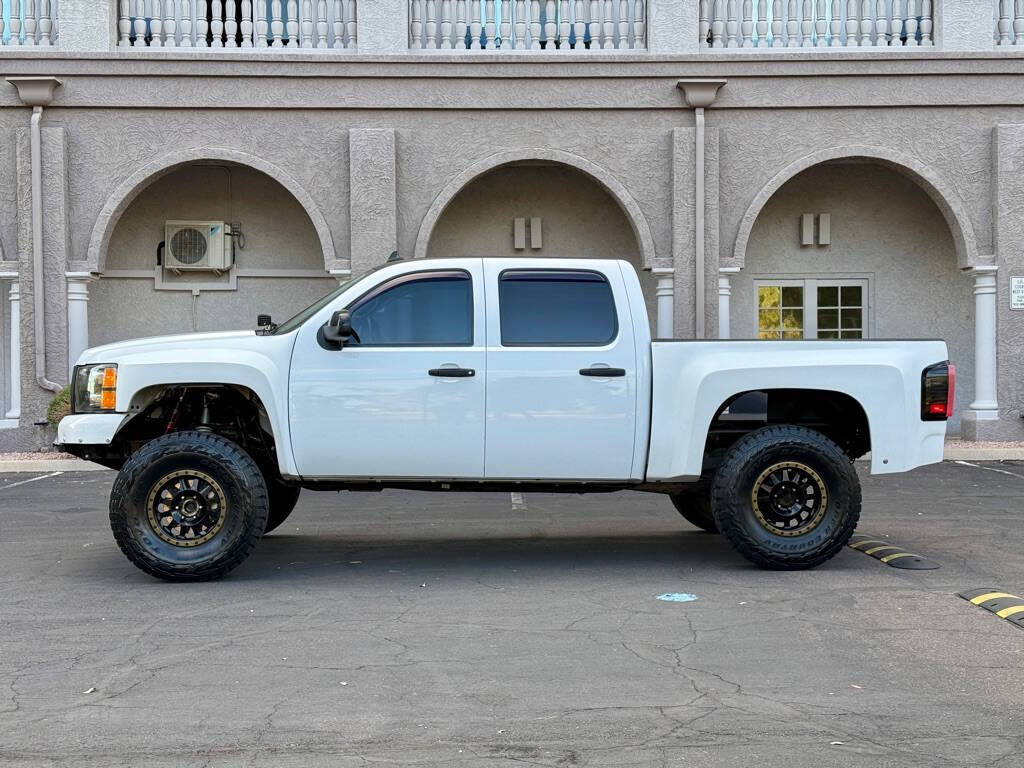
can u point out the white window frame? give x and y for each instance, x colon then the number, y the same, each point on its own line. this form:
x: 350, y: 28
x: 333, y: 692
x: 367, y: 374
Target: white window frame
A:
x: 810, y: 284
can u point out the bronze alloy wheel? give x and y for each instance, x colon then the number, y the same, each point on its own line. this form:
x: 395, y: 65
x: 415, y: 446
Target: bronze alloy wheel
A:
x: 186, y: 508
x: 789, y: 498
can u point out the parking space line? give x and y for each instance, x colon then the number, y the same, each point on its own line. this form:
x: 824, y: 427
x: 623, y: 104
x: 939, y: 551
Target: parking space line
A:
x: 890, y: 554
x: 30, y: 480
x: 989, y: 469
x: 1005, y: 605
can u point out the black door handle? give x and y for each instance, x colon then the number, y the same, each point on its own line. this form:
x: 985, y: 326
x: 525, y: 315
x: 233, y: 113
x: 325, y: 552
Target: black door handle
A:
x: 452, y: 373
x: 602, y: 372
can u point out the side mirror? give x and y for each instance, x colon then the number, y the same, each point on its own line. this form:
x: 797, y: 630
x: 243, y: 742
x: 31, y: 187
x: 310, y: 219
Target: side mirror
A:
x: 339, y: 329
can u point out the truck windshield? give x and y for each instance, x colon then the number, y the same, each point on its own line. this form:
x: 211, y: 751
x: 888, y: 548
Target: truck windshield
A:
x: 294, y: 322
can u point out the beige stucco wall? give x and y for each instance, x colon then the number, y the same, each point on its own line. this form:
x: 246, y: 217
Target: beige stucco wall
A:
x: 278, y: 235
x: 884, y: 228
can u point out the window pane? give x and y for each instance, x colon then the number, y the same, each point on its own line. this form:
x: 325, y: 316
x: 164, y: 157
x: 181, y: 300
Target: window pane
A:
x: 565, y: 308
x: 418, y: 310
x: 828, y: 296
x: 768, y: 321
x: 792, y: 334
x: 851, y: 334
x: 792, y: 319
x: 852, y: 296
x: 768, y: 296
x: 828, y: 334
x: 769, y: 335
x: 793, y: 296
x: 828, y: 319
x: 852, y: 318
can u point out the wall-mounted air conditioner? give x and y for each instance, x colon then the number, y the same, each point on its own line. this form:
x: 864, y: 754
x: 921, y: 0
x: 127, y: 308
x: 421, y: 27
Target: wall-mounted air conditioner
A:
x: 197, y: 246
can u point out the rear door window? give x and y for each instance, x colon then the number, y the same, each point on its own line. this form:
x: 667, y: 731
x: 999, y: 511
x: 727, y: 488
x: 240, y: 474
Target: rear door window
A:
x: 570, y: 308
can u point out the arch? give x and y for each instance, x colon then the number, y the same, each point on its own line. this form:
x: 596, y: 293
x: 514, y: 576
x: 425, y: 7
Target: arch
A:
x: 629, y: 206
x: 941, y: 193
x: 129, y: 189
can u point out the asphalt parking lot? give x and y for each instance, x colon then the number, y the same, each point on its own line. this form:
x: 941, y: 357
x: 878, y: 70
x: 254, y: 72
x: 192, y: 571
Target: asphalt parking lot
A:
x: 406, y: 628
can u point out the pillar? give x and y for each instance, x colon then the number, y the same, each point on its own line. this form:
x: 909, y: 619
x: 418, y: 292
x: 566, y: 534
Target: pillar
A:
x: 383, y: 26
x: 78, y: 316
x: 672, y: 26
x: 14, y: 366
x: 984, y: 407
x: 665, y: 302
x: 373, y: 211
x: 964, y: 25
x: 88, y: 25
x: 724, y: 295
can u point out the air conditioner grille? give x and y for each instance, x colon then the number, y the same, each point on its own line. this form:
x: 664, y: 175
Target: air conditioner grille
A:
x: 188, y: 245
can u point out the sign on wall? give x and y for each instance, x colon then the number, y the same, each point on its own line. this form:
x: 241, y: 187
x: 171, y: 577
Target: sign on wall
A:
x: 1017, y: 293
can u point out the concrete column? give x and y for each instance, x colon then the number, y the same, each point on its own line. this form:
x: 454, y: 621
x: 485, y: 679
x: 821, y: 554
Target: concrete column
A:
x: 964, y: 25
x: 373, y: 212
x: 672, y: 26
x: 88, y: 25
x: 724, y: 295
x: 14, y: 367
x: 984, y: 407
x: 78, y: 316
x: 383, y: 26
x: 665, y: 294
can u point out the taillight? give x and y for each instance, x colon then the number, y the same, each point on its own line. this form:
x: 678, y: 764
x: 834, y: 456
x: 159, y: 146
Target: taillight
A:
x: 938, y: 383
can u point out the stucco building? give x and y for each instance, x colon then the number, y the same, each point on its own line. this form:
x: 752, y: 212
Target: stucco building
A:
x: 788, y: 169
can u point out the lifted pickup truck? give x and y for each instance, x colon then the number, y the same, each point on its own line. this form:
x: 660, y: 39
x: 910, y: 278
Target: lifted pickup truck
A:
x: 495, y: 374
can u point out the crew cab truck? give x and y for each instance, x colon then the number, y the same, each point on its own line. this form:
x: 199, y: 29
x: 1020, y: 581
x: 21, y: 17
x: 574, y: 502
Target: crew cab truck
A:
x: 470, y: 374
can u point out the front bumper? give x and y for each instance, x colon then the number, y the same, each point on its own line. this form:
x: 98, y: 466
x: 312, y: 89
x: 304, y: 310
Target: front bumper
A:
x: 88, y: 429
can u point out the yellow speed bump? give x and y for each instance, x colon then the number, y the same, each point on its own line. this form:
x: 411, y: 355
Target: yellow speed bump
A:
x: 1002, y: 604
x: 889, y: 553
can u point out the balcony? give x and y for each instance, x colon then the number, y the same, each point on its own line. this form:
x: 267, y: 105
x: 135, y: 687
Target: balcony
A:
x: 499, y: 27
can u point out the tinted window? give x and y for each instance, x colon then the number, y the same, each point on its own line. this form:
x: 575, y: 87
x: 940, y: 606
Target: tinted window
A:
x: 563, y: 308
x: 434, y: 308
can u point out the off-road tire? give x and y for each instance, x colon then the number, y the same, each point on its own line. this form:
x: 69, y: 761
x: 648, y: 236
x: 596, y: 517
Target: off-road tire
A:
x: 283, y: 498
x: 245, y: 506
x: 694, y: 504
x: 735, y: 485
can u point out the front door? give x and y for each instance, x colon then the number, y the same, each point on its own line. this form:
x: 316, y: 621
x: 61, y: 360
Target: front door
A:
x: 561, y: 374
x: 407, y: 399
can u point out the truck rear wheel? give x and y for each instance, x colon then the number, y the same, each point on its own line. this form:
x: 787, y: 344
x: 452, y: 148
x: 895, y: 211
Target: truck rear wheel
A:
x: 283, y: 498
x: 694, y: 504
x: 189, y: 506
x: 786, y: 497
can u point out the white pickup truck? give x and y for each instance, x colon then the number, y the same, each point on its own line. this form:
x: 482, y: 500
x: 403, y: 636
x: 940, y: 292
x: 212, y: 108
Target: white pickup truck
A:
x: 495, y: 374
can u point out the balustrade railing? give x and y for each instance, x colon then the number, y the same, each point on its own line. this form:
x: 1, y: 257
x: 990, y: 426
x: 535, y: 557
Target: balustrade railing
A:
x: 815, y: 23
x: 527, y: 25
x: 28, y: 22
x: 292, y: 24
x: 1009, y: 15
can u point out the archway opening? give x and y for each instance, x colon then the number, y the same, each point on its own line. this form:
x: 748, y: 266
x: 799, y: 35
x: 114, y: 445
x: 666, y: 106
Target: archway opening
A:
x: 853, y: 249
x: 275, y: 256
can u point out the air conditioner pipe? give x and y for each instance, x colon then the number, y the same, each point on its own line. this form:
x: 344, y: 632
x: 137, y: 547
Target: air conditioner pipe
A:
x: 38, y: 288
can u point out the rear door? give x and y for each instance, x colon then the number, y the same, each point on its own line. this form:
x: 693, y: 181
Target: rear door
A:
x: 561, y: 373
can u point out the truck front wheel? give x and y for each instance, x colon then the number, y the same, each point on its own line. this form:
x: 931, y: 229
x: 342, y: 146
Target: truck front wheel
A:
x: 188, y: 506
x: 786, y: 497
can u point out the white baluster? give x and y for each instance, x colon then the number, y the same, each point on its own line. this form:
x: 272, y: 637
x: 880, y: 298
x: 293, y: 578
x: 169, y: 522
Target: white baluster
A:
x: 506, y: 25
x: 475, y: 27
x: 307, y: 24
x: 156, y: 25
x: 262, y: 30
x: 731, y: 24
x: 762, y: 23
x: 866, y: 24
x: 792, y: 26
x: 291, y: 25
x: 350, y: 25
x: 911, y: 23
x: 881, y: 23
x: 124, y: 22
x: 30, y: 22
x: 230, y: 24
x: 445, y: 34
x: 535, y: 25
x: 276, y: 24
x: 852, y: 23
x: 718, y: 24
x: 777, y: 41
x: 46, y: 23
x: 550, y: 27
x: 138, y: 28
x: 927, y: 23
x: 807, y: 25
x: 490, y: 23
x: 1, y: 41
x: 565, y: 25
x: 747, y: 26
x: 217, y: 23
x: 170, y: 28
x: 338, y: 26
x: 639, y: 24
x: 186, y: 24
x: 835, y: 24
x: 703, y: 24
x: 1004, y: 22
x: 202, y: 25
x: 430, y: 25
x: 460, y: 24
x: 579, y: 23
x: 415, y: 24
x: 608, y: 30
x: 820, y: 25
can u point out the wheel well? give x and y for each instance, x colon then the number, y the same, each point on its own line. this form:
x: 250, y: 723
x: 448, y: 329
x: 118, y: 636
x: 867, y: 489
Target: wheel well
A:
x: 836, y: 415
x: 232, y: 411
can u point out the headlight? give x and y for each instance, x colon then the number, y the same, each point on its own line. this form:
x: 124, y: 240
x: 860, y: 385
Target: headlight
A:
x: 95, y: 389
